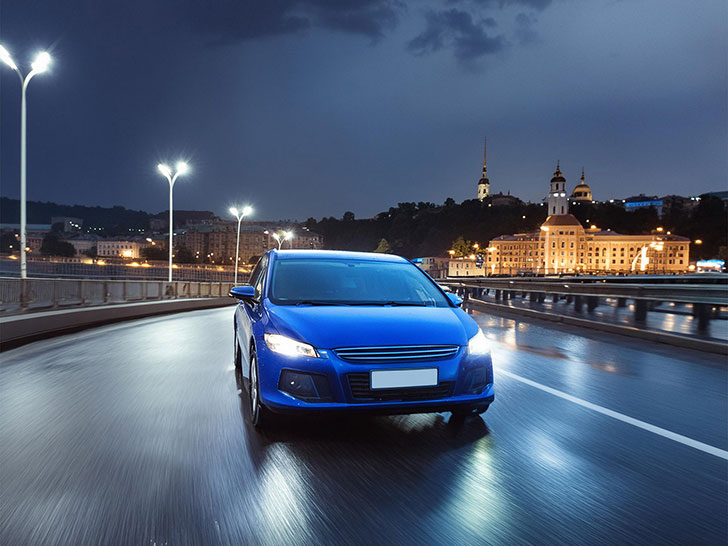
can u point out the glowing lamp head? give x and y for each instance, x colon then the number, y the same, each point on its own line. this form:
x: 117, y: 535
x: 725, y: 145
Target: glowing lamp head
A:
x: 287, y: 234
x: 6, y: 58
x: 247, y: 211
x: 276, y: 237
x: 182, y: 167
x: 164, y: 169
x: 233, y: 211
x: 41, y: 62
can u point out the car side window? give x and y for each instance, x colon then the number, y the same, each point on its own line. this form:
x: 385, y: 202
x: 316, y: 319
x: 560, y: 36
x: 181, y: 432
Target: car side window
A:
x: 256, y: 272
x: 258, y: 282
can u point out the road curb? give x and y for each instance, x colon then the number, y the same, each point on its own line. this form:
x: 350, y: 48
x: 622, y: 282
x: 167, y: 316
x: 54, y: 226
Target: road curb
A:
x: 660, y: 337
x: 19, y: 330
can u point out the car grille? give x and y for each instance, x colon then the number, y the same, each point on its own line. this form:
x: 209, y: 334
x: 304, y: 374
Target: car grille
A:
x: 359, y: 385
x: 394, y: 354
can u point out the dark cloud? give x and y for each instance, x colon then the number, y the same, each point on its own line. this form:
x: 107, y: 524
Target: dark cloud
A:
x: 233, y: 21
x: 525, y: 32
x: 457, y: 29
x: 368, y: 17
x: 539, y: 5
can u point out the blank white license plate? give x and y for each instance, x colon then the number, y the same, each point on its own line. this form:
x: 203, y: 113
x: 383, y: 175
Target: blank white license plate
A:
x: 393, y: 379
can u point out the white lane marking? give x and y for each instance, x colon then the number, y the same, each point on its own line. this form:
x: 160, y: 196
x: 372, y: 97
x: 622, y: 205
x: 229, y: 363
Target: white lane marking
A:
x: 624, y: 418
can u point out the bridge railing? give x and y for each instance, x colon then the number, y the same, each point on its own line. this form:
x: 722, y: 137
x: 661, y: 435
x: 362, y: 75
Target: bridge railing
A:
x: 705, y: 301
x: 28, y: 295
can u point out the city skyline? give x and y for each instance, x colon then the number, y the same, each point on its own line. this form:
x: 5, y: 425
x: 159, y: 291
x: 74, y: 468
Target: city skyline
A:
x: 366, y: 103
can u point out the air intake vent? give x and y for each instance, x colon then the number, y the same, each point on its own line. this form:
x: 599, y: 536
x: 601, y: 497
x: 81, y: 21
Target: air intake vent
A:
x: 409, y: 353
x: 359, y: 385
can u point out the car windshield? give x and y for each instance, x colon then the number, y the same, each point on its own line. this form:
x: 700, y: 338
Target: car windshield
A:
x: 310, y: 281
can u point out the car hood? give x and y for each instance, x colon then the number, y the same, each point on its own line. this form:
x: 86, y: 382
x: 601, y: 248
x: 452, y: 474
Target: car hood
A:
x: 353, y: 326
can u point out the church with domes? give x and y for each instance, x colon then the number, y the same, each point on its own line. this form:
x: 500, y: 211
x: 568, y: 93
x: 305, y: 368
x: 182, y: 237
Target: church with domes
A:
x: 563, y: 245
x: 582, y: 192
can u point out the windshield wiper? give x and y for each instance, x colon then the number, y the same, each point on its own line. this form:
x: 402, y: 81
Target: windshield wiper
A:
x: 392, y: 303
x: 319, y: 302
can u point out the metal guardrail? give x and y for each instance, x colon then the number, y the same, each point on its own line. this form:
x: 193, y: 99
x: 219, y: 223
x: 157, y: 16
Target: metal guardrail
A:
x: 705, y: 300
x: 711, y: 294
x: 29, y: 295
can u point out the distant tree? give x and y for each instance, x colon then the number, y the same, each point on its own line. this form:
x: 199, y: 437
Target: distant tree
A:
x: 183, y: 255
x: 8, y: 243
x: 449, y: 202
x: 154, y: 252
x: 383, y: 247
x: 462, y: 247
x: 348, y: 216
x: 54, y: 246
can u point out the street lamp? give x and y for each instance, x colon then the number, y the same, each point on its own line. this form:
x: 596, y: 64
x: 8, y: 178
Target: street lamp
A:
x: 239, y: 215
x: 42, y: 60
x: 182, y: 168
x: 283, y: 236
x: 547, y: 253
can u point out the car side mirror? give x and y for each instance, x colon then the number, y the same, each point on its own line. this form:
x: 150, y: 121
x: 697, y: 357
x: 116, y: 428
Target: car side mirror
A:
x: 456, y: 300
x: 244, y: 293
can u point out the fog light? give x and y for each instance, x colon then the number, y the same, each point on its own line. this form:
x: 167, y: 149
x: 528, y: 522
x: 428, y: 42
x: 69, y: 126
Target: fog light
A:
x: 479, y: 379
x: 308, y: 387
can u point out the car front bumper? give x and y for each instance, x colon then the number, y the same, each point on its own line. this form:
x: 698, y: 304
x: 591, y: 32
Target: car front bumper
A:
x: 459, y: 373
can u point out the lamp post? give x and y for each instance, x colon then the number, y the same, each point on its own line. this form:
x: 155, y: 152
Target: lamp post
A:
x: 280, y: 237
x: 239, y: 215
x: 547, y: 253
x: 182, y: 168
x: 40, y: 64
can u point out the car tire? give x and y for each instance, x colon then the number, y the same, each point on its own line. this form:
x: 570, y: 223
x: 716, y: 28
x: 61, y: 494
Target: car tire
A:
x: 259, y: 415
x: 238, y: 363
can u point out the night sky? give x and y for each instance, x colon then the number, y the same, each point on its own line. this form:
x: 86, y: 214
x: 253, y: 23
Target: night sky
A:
x: 315, y: 107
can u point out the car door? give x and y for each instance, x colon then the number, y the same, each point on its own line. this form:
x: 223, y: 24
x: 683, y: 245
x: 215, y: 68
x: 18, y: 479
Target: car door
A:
x: 248, y: 313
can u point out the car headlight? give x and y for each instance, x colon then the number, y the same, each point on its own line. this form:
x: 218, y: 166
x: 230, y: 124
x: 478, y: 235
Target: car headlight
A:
x: 479, y: 344
x: 289, y: 347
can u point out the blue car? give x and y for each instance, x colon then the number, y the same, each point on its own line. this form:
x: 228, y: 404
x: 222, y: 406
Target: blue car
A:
x: 329, y: 331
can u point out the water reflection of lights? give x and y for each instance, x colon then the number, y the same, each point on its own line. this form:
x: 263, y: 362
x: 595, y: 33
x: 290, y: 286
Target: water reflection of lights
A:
x: 477, y: 502
x: 282, y: 498
x: 549, y: 452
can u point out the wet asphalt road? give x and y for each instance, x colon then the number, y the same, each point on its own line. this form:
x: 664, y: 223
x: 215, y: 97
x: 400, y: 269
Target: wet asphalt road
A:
x: 135, y: 434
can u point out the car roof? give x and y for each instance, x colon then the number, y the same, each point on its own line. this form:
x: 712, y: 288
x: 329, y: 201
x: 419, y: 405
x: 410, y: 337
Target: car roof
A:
x: 336, y: 255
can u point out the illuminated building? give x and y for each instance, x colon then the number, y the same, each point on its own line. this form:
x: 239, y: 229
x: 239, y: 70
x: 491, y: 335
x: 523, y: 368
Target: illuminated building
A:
x: 119, y: 248
x: 582, y: 192
x: 562, y: 245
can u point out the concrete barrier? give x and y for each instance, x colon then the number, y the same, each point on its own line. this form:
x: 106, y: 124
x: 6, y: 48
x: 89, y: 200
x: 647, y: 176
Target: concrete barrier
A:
x: 18, y: 330
x: 650, y: 335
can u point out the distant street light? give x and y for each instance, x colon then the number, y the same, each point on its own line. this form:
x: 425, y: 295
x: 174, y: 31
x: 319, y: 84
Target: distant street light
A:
x: 283, y: 236
x: 42, y: 60
x: 239, y: 215
x: 182, y: 168
x: 547, y: 256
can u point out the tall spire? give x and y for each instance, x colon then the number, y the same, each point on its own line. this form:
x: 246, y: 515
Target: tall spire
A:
x: 485, y: 155
x: 582, y: 175
x: 484, y: 183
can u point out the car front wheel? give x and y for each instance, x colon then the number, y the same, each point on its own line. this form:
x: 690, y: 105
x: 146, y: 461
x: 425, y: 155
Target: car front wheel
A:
x: 259, y: 414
